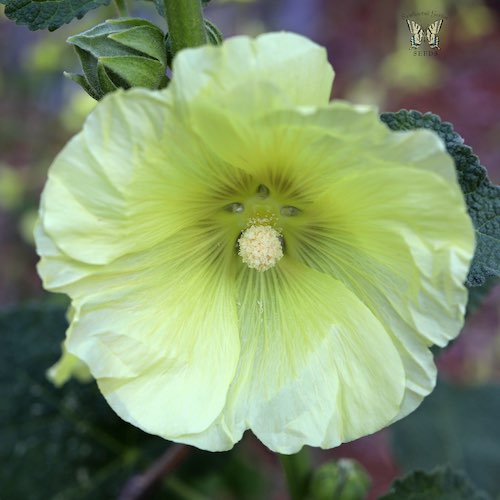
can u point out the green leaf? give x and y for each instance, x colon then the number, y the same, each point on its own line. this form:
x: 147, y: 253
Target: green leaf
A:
x: 455, y: 425
x: 51, y: 14
x: 482, y: 197
x: 58, y: 443
x: 440, y: 484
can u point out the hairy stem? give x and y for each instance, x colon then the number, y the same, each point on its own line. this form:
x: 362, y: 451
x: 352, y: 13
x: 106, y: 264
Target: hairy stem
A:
x: 185, y: 23
x: 297, y: 469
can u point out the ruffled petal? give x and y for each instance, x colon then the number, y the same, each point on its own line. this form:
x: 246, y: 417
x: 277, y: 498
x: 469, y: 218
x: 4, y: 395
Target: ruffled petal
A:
x: 349, y: 138
x: 159, y: 332
x: 313, y: 362
x: 302, y: 150
x: 223, y: 92
x: 68, y: 366
x: 422, y: 149
x: 296, y: 152
x: 134, y: 176
x: 401, y: 240
x: 291, y: 64
x: 56, y: 269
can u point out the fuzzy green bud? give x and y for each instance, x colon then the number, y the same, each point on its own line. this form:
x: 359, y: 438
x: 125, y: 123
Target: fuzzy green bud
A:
x: 344, y: 479
x: 120, y: 53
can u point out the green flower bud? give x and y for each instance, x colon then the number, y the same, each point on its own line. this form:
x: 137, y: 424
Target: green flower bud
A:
x: 344, y: 479
x: 120, y: 53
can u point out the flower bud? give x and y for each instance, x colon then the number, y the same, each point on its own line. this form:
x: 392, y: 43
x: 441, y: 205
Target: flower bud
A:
x: 344, y: 479
x: 120, y: 53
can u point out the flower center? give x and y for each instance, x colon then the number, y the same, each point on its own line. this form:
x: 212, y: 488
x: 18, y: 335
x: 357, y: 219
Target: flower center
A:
x: 260, y: 247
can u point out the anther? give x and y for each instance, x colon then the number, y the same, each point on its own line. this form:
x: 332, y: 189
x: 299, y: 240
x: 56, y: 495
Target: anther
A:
x: 260, y: 247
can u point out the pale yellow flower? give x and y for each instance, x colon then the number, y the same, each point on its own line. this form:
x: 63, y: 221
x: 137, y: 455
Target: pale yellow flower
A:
x: 242, y: 254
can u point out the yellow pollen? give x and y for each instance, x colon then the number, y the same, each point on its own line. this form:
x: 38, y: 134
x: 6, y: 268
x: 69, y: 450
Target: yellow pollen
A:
x: 260, y: 247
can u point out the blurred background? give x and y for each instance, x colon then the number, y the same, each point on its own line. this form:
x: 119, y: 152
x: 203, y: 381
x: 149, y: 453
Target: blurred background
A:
x: 369, y: 46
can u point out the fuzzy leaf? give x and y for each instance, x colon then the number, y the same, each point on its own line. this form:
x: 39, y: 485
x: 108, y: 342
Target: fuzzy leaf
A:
x: 51, y: 14
x: 482, y: 197
x: 442, y: 484
x: 454, y: 425
x: 58, y: 443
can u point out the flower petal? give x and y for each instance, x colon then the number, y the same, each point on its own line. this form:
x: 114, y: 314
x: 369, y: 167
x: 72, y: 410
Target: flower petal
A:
x: 401, y: 240
x: 310, y: 147
x: 313, y: 360
x: 351, y: 137
x: 159, y: 332
x: 421, y: 148
x: 288, y: 62
x: 131, y: 178
x: 294, y: 150
x: 68, y: 366
x: 56, y: 269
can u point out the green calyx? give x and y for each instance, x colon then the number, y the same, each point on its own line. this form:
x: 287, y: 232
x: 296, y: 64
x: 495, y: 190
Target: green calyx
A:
x: 120, y: 53
x: 214, y: 35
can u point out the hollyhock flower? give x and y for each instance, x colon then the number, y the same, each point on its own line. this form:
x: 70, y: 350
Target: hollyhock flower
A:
x: 242, y: 254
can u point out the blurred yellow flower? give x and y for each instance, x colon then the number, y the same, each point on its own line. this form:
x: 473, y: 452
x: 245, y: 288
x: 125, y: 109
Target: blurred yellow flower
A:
x: 242, y: 254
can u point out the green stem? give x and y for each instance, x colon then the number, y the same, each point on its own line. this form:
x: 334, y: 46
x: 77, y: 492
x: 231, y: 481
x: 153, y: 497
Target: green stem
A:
x: 185, y: 23
x: 182, y: 490
x: 121, y: 7
x: 298, y: 471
